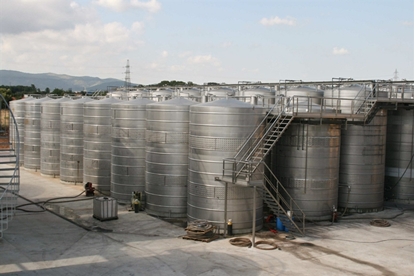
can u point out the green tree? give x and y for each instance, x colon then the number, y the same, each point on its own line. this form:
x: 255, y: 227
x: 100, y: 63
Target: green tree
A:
x: 47, y: 90
x: 58, y: 92
x: 6, y: 93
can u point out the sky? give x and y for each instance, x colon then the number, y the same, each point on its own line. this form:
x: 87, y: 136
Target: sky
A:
x: 204, y: 41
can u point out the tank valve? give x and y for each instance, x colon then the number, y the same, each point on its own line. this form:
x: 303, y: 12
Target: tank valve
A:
x: 229, y: 228
x: 334, y: 216
x: 89, y: 190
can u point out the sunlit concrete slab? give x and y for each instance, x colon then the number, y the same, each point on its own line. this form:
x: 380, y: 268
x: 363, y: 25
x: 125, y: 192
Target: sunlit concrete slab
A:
x: 70, y: 241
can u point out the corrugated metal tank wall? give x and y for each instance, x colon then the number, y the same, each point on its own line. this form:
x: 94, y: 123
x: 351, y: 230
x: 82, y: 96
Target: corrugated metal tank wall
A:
x: 72, y: 141
x: 18, y: 108
x: 306, y: 161
x: 50, y: 135
x: 32, y: 133
x: 167, y: 152
x: 362, y: 162
x: 399, y: 165
x: 128, y: 148
x: 97, y: 143
x: 362, y: 166
x: 217, y: 130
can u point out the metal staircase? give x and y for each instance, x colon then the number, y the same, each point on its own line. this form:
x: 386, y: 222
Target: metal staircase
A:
x: 282, y: 204
x: 240, y: 169
x: 367, y: 105
x: 9, y: 168
x: 258, y: 144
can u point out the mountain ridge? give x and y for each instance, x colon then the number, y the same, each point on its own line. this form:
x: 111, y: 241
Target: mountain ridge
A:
x: 61, y: 81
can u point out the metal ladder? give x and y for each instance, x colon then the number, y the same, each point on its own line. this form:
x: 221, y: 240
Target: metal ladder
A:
x: 9, y: 170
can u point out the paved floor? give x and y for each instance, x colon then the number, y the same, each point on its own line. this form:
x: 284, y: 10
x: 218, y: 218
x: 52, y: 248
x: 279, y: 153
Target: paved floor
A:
x: 44, y: 243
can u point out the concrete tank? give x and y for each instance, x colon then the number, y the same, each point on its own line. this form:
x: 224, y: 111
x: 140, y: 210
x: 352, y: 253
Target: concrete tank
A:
x: 167, y: 152
x: 306, y: 161
x: 18, y: 107
x: 217, y: 130
x: 399, y: 164
x: 72, y: 141
x: 128, y: 148
x: 32, y: 133
x: 97, y: 143
x: 50, y: 137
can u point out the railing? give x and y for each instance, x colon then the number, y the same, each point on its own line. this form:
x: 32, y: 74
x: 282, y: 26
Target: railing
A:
x: 255, y: 140
x: 9, y: 192
x: 285, y: 204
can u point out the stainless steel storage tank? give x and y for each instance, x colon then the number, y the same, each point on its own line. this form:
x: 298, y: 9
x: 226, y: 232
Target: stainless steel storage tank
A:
x: 50, y: 137
x: 399, y: 164
x: 128, y: 148
x: 193, y: 94
x: 72, y: 141
x: 343, y: 97
x: 306, y: 161
x: 167, y: 150
x: 362, y: 166
x: 18, y: 108
x: 162, y: 94
x: 97, y: 143
x: 305, y: 93
x: 264, y: 96
x: 217, y: 130
x: 138, y: 93
x: 32, y: 133
x: 219, y: 93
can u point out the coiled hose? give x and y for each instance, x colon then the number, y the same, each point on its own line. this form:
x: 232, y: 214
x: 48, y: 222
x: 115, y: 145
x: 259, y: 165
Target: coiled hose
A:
x: 245, y: 242
x: 241, y: 242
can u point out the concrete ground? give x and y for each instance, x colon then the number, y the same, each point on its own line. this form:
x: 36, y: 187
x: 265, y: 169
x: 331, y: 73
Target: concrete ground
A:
x: 45, y: 243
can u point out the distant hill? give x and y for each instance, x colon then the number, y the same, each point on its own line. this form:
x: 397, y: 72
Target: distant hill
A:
x: 65, y: 82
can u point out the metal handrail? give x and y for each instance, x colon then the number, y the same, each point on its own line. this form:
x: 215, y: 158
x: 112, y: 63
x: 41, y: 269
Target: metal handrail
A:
x: 277, y: 188
x: 7, y: 208
x: 241, y: 161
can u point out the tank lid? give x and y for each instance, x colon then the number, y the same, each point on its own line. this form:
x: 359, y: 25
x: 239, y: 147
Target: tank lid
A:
x: 81, y: 100
x: 57, y: 101
x: 138, y: 101
x: 104, y: 101
x: 30, y: 98
x: 228, y: 103
x: 176, y: 102
x: 44, y: 99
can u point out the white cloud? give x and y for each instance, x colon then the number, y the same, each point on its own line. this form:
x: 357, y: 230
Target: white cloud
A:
x: 137, y: 27
x: 19, y: 16
x: 340, y: 51
x: 93, y: 44
x: 164, y: 54
x: 226, y: 44
x: 407, y: 23
x: 123, y: 5
x: 278, y: 21
x: 185, y: 54
x: 207, y: 59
